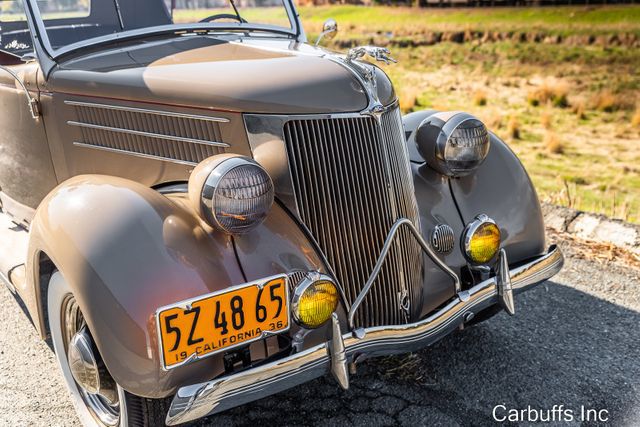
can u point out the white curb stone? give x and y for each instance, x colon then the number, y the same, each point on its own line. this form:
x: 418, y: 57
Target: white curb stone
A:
x: 592, y: 227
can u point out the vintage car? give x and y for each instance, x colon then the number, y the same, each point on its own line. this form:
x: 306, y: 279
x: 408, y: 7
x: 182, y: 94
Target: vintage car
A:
x: 201, y: 209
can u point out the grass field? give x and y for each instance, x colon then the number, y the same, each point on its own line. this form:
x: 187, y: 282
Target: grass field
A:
x: 404, y: 20
x: 570, y: 112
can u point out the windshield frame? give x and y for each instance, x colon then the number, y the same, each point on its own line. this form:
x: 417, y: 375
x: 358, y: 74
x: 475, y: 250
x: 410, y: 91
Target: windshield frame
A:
x: 42, y: 44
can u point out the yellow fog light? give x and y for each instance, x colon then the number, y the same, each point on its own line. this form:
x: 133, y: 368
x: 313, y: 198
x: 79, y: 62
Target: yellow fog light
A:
x: 481, y: 240
x: 314, y: 300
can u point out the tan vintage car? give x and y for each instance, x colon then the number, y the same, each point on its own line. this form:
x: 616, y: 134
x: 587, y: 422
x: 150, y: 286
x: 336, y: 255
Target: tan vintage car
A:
x: 201, y: 209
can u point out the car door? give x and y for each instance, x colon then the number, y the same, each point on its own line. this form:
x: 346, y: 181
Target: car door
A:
x: 26, y: 170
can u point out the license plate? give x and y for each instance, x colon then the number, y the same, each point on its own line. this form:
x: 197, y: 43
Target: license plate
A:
x: 206, y: 325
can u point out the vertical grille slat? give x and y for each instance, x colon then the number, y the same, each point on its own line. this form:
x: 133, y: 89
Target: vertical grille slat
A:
x: 353, y: 181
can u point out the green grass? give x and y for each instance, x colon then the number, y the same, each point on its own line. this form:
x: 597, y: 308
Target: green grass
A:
x: 556, y: 20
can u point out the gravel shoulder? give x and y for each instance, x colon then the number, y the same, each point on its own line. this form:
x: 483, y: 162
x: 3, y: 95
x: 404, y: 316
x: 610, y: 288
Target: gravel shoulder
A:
x: 574, y: 341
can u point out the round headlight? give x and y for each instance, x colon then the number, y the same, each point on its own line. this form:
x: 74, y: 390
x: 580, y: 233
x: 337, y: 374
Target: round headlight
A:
x: 481, y: 240
x: 453, y: 143
x: 314, y: 301
x: 234, y: 193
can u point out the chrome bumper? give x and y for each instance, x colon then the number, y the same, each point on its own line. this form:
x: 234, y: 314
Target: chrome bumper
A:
x: 199, y: 400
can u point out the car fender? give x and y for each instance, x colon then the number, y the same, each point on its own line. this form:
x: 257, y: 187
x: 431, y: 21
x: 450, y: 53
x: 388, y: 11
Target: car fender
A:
x: 502, y: 189
x: 126, y: 250
x: 499, y: 188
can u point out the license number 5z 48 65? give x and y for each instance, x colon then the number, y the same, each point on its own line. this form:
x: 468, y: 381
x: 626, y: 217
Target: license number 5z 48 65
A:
x: 220, y: 321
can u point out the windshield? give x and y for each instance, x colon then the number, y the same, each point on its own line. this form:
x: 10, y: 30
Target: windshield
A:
x: 71, y: 22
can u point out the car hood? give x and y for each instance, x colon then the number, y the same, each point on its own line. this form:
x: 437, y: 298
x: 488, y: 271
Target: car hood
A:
x: 245, y: 75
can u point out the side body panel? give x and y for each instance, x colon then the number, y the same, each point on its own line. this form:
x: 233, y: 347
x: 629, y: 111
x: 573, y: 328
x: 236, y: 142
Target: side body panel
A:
x: 26, y: 171
x: 126, y: 250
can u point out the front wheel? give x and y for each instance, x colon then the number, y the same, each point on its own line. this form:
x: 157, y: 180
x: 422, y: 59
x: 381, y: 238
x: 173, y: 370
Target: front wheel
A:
x: 99, y: 401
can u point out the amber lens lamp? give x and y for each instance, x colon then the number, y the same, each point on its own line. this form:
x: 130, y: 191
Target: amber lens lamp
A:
x: 482, y: 240
x: 314, y: 301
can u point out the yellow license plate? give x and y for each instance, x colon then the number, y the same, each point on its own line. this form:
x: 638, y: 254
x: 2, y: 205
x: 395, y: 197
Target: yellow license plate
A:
x: 204, y: 326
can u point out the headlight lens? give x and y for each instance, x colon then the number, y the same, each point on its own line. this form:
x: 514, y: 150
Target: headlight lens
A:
x: 453, y: 143
x: 466, y: 147
x: 236, y: 195
x: 482, y: 240
x: 314, y: 300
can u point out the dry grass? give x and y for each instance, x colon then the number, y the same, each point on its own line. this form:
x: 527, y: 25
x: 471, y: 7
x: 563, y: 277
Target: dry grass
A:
x: 513, y: 127
x: 553, y: 143
x: 607, y: 101
x: 493, y: 120
x: 408, y: 99
x: 635, y: 119
x: 579, y: 108
x: 550, y: 91
x: 480, y: 98
x: 546, y: 119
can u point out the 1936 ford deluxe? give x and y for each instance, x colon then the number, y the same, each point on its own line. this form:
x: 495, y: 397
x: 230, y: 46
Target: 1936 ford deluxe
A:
x: 200, y: 209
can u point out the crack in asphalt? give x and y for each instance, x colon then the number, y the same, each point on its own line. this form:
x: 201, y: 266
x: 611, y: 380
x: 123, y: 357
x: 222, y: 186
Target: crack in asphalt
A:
x: 573, y: 341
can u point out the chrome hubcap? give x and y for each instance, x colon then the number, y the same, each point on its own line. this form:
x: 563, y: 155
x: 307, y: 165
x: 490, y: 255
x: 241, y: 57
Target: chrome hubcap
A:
x: 104, y: 406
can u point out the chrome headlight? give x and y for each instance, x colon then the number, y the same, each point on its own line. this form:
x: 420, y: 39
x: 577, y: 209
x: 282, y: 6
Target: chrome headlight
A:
x: 233, y: 193
x: 453, y: 143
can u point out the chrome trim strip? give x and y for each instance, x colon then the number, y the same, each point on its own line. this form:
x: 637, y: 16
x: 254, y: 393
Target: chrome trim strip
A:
x: 147, y: 134
x: 146, y: 111
x: 133, y: 153
x: 199, y: 400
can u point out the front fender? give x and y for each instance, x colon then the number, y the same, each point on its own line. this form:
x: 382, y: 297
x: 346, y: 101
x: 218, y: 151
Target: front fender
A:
x: 126, y: 250
x: 500, y: 188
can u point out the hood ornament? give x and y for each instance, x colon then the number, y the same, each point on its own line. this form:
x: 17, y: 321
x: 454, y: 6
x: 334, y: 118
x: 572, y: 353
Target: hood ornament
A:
x: 367, y: 72
x: 378, y: 53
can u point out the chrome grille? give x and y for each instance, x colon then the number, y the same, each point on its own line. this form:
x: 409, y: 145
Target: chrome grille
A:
x: 352, y: 181
x: 157, y: 134
x: 443, y: 238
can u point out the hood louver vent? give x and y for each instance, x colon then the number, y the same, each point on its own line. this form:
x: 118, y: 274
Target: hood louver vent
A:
x: 169, y: 136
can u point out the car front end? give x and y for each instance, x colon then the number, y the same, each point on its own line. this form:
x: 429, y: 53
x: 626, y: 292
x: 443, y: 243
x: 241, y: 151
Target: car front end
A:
x: 261, y: 212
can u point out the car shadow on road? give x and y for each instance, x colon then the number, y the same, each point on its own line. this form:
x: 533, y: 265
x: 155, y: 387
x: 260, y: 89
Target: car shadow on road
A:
x: 563, y: 347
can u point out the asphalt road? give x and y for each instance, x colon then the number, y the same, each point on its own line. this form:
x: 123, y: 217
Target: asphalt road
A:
x: 574, y: 341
